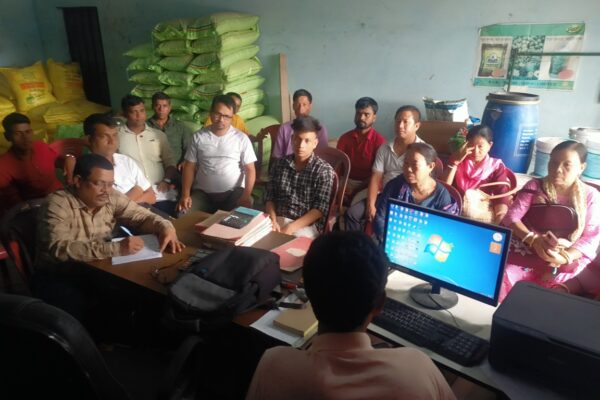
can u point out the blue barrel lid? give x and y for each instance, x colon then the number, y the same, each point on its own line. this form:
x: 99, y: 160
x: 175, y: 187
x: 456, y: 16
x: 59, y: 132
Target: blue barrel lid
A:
x: 514, y: 97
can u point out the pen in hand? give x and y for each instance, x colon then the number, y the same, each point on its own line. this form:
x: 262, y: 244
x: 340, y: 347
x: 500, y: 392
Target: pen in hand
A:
x: 127, y: 231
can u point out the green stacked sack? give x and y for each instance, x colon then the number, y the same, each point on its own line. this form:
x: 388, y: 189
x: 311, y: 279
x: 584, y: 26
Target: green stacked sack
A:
x: 193, y: 60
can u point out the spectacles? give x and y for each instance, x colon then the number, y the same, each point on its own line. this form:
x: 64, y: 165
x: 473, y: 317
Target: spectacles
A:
x: 224, y: 117
x: 101, y: 184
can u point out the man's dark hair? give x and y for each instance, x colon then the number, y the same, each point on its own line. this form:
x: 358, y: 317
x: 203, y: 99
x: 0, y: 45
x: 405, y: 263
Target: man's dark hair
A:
x: 302, y: 92
x: 224, y: 99
x: 365, y: 102
x: 130, y: 101
x: 306, y: 124
x: 234, y: 94
x: 345, y: 274
x: 414, y: 110
x: 13, y: 119
x: 160, y: 96
x: 87, y: 162
x: 89, y: 125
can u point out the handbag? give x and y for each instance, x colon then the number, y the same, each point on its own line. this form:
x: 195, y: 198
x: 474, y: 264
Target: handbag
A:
x: 477, y: 204
x: 561, y: 220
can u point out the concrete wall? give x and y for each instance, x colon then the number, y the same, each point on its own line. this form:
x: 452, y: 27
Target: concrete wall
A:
x: 20, y: 42
x: 395, y: 51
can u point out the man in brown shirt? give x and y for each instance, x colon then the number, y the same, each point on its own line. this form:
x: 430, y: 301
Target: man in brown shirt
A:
x: 76, y: 225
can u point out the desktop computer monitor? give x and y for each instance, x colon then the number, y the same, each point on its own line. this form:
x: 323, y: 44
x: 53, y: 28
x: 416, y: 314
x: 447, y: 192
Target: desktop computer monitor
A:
x: 453, y: 254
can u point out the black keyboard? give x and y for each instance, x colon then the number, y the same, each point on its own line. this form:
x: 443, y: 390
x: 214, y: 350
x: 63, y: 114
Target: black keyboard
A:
x: 426, y: 331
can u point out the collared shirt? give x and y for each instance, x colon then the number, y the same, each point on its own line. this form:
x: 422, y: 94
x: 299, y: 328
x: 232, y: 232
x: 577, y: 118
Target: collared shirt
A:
x: 237, y: 122
x: 68, y: 231
x: 178, y: 135
x: 346, y: 366
x: 150, y: 149
x: 388, y: 162
x: 361, y: 150
x: 297, y: 192
x: 128, y: 174
x: 283, y: 145
x: 23, y: 179
x: 220, y: 160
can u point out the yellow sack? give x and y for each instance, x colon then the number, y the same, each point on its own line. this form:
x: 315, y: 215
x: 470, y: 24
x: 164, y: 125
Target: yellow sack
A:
x: 6, y: 106
x: 85, y: 108
x: 30, y: 86
x: 66, y: 81
x: 5, y: 88
x: 61, y: 113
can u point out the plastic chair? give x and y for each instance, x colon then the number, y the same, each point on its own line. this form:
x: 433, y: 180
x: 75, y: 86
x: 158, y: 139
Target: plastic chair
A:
x: 72, y: 146
x: 18, y: 235
x: 341, y: 166
x: 455, y: 195
x: 438, y: 170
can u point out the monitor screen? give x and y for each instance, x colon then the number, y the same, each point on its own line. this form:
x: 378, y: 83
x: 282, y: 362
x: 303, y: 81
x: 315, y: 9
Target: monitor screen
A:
x: 448, y: 251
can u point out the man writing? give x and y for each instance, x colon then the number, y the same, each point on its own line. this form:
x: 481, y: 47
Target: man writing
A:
x: 299, y: 188
x: 219, y: 164
x: 103, y: 138
x: 302, y: 105
x: 361, y: 144
x: 76, y: 225
x: 341, y: 363
x: 387, y: 165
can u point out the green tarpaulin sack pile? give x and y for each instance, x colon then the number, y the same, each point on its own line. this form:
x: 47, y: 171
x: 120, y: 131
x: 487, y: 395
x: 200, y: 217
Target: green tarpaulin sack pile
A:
x: 194, y: 59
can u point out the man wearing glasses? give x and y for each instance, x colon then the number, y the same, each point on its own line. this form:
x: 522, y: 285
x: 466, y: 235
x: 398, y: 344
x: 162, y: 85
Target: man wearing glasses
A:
x: 218, y: 172
x: 76, y: 225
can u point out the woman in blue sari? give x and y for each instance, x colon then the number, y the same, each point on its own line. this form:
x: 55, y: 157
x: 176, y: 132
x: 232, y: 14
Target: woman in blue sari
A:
x: 415, y: 185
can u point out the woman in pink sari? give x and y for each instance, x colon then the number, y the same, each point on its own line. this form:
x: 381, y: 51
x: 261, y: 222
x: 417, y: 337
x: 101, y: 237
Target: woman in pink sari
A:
x: 472, y: 166
x: 540, y: 257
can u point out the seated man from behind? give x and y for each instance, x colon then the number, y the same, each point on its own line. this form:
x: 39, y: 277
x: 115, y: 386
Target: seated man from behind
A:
x: 237, y: 122
x: 300, y: 184
x: 178, y: 134
x: 341, y: 363
x: 27, y: 170
x: 219, y: 164
x: 302, y: 105
x: 101, y: 130
x: 76, y: 226
x: 150, y: 148
x: 361, y: 144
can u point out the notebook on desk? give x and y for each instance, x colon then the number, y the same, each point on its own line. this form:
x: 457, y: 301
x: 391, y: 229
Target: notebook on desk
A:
x: 291, y: 254
x: 150, y: 251
x: 299, y: 321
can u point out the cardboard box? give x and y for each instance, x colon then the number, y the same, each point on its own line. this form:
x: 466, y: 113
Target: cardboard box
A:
x: 437, y: 134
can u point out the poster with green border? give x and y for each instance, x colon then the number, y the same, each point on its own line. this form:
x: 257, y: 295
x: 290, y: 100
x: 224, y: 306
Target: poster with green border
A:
x: 496, y: 42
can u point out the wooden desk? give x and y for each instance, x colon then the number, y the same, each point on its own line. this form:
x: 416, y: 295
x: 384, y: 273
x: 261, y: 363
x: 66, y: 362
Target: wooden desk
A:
x: 140, y: 272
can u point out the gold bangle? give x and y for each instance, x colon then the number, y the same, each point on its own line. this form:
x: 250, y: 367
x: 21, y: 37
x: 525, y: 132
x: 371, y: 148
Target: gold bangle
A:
x: 561, y: 285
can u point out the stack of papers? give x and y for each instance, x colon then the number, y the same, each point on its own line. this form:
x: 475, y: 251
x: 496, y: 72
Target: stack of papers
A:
x: 151, y: 250
x: 240, y: 227
x: 291, y: 254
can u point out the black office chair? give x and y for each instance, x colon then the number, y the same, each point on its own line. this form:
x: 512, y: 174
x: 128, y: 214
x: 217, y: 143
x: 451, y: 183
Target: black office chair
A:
x: 46, y: 353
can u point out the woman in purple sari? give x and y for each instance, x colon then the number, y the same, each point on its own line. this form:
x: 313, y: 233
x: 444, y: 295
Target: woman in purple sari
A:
x: 540, y: 257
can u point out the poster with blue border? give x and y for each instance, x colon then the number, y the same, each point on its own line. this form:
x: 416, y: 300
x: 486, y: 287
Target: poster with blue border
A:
x: 496, y: 42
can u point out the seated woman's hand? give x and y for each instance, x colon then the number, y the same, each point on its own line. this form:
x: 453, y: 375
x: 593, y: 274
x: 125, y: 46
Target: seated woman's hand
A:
x: 543, y: 248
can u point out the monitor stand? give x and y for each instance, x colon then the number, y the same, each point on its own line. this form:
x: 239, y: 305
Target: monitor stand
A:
x: 433, y: 297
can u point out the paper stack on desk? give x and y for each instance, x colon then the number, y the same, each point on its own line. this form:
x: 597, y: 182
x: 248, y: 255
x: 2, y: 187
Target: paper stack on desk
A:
x: 151, y: 250
x: 291, y: 254
x: 240, y: 227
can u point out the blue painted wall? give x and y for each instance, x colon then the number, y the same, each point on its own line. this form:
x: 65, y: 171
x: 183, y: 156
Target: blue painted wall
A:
x: 395, y: 51
x: 20, y: 42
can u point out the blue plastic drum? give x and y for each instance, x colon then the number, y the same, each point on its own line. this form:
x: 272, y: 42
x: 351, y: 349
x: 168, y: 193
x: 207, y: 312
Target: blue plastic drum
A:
x: 514, y: 119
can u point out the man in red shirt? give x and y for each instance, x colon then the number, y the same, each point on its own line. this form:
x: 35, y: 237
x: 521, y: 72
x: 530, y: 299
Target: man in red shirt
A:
x: 361, y: 144
x: 27, y: 170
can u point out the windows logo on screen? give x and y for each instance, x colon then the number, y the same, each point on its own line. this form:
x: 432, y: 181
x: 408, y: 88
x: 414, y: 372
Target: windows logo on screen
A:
x: 438, y: 248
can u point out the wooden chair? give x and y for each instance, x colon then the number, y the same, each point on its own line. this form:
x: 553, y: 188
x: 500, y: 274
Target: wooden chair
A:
x: 272, y: 131
x: 341, y: 166
x: 72, y: 146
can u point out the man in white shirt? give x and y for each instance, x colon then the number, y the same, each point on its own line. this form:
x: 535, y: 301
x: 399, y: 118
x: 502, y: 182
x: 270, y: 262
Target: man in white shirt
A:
x: 150, y: 148
x: 387, y: 165
x: 101, y: 131
x: 341, y: 363
x: 219, y: 164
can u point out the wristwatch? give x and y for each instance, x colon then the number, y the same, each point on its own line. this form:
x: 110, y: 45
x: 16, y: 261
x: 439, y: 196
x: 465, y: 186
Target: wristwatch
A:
x: 167, y: 180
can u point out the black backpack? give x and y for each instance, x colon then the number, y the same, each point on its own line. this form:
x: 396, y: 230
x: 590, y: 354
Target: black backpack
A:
x: 216, y: 288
